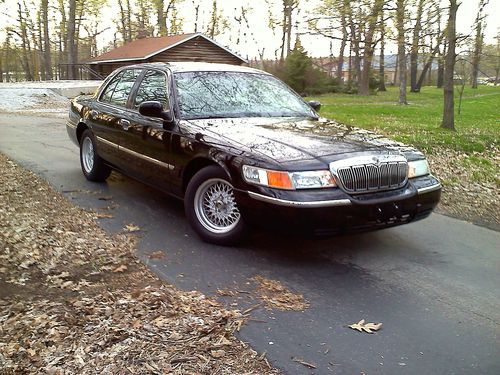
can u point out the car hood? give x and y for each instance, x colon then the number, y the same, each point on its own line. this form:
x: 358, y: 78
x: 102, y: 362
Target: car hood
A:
x: 286, y: 140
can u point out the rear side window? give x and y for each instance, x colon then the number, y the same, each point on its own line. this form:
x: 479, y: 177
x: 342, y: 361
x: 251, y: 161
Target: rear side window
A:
x: 108, y: 91
x: 153, y: 87
x: 120, y: 87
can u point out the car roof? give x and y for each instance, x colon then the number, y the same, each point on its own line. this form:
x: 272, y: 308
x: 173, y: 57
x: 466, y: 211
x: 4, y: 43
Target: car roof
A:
x: 189, y: 66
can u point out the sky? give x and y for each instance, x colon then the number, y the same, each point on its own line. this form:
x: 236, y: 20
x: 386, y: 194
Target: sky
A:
x: 260, y: 36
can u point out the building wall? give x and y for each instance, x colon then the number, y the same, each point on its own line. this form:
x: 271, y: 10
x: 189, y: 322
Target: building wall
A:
x: 197, y: 49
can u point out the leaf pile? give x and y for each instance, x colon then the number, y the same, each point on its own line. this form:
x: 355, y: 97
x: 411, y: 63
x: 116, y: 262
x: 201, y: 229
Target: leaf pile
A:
x: 73, y: 299
x: 276, y: 296
x: 471, y: 185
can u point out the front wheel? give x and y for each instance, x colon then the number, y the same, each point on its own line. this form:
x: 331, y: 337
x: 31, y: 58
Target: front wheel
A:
x: 211, y: 207
x: 93, y: 166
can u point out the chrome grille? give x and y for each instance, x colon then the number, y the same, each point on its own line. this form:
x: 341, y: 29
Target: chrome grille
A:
x: 371, y: 173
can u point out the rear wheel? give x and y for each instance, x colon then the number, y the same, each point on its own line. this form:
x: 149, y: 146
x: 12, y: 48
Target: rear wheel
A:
x: 211, y: 207
x: 93, y: 166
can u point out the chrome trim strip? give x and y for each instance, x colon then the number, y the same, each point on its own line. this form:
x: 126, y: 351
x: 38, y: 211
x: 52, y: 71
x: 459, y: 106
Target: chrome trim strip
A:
x: 106, y: 142
x: 70, y: 125
x: 147, y: 158
x: 136, y: 154
x: 287, y: 203
x: 428, y: 189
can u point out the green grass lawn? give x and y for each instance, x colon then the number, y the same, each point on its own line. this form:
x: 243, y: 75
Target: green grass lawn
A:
x: 418, y: 124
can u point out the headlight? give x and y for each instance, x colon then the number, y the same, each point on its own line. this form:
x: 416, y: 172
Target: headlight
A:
x: 418, y: 168
x: 288, y: 180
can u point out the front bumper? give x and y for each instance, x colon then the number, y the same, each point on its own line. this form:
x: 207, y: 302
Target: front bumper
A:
x: 331, y: 211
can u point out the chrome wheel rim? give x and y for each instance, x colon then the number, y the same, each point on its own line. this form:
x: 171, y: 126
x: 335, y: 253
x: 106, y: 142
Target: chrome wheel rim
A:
x: 87, y: 155
x: 215, y: 206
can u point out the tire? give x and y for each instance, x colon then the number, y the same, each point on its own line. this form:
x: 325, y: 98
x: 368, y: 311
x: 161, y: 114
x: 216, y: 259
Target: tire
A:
x: 211, y: 208
x: 93, y: 166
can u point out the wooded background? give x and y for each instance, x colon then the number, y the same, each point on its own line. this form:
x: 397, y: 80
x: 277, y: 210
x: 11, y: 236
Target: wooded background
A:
x: 47, y: 39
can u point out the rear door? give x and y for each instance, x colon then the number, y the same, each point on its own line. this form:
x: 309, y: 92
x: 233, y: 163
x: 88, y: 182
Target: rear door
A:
x: 110, y: 115
x: 146, y: 142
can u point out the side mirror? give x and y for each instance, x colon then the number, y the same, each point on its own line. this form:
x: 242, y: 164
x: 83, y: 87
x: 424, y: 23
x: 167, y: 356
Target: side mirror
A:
x: 155, y: 109
x: 314, y: 104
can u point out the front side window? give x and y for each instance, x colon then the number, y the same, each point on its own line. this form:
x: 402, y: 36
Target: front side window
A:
x: 121, y: 88
x: 236, y: 94
x: 153, y: 87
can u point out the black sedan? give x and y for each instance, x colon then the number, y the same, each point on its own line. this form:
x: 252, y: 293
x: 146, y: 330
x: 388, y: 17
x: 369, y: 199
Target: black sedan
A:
x: 240, y: 147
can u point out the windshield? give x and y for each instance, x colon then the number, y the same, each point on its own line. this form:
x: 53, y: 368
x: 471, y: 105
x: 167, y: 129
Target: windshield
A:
x: 236, y: 94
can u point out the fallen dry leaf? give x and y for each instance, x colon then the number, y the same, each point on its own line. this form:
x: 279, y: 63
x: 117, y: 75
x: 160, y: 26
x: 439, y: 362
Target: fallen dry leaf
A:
x: 302, y: 362
x: 156, y: 255
x: 101, y: 215
x: 218, y: 353
x: 121, y: 268
x: 106, y: 198
x: 366, y: 327
x: 131, y: 228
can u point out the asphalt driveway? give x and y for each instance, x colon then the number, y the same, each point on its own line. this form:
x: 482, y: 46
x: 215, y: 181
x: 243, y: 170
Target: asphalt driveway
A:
x: 434, y: 284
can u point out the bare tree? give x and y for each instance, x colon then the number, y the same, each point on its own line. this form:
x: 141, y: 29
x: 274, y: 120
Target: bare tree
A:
x: 25, y: 42
x: 289, y: 6
x: 47, y: 60
x: 217, y: 22
x: 400, y: 27
x: 125, y: 20
x: 478, y: 42
x: 72, y: 37
x: 381, y: 66
x: 449, y: 67
x: 415, y: 45
x: 167, y: 16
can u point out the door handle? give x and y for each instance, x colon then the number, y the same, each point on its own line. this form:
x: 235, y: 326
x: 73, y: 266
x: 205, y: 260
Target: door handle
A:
x: 125, y: 124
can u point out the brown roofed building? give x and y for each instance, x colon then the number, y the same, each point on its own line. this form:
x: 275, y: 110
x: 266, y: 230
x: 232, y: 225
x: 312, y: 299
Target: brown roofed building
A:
x: 183, y: 47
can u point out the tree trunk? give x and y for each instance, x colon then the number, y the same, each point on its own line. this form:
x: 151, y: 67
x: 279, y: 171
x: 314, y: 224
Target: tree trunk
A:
x: 125, y: 20
x: 478, y: 43
x: 449, y: 67
x: 340, y: 61
x: 213, y: 20
x: 196, y: 17
x: 129, y: 21
x: 381, y: 66
x: 427, y: 67
x: 161, y: 19
x: 415, y: 47
x: 400, y: 14
x: 25, y: 46
x: 440, y: 69
x: 289, y: 28
x: 283, y: 32
x: 396, y: 71
x: 71, y: 39
x: 40, y: 44
x: 369, y: 48
x: 47, y: 60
